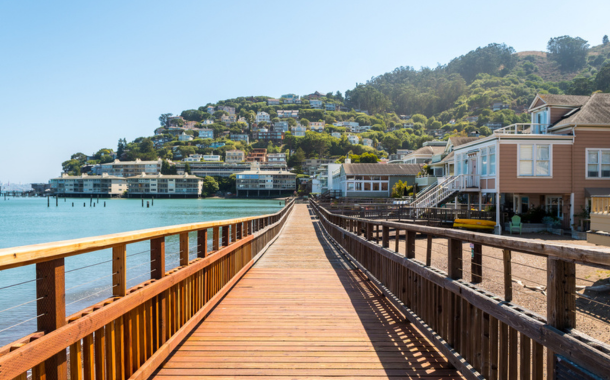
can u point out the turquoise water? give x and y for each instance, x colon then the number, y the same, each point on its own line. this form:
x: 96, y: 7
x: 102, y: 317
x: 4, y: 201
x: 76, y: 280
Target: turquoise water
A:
x: 25, y: 221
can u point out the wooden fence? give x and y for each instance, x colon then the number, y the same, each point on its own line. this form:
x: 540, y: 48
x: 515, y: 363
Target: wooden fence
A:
x: 130, y: 334
x: 484, y: 335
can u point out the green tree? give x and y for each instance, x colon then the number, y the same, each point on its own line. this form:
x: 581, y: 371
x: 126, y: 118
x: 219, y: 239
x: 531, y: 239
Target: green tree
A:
x: 210, y: 186
x: 297, y: 158
x: 187, y: 168
x: 168, y: 169
x: 368, y: 158
x: 164, y: 119
x: 605, y: 40
x: 602, y: 80
x: 121, y: 148
x: 72, y: 167
x: 570, y: 53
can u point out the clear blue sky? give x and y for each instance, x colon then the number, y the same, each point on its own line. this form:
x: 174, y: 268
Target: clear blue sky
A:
x: 75, y: 76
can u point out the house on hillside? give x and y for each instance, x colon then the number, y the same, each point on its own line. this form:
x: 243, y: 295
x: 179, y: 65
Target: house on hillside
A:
x: 229, y: 110
x: 273, y: 102
x: 556, y: 162
x: 331, y: 106
x: 185, y: 137
x: 210, y: 110
x: 206, y: 134
x: 442, y: 163
x: 288, y: 113
x: 298, y: 131
x: 317, y: 126
x: 262, y: 116
x: 314, y: 103
x: 423, y: 155
x: 353, y: 139
x: 375, y: 180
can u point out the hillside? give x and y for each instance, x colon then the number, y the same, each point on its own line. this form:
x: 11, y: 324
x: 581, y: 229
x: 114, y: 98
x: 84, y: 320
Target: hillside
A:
x: 485, y: 89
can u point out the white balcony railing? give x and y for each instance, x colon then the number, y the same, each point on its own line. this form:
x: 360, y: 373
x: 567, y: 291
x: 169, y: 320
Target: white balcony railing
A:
x: 523, y: 129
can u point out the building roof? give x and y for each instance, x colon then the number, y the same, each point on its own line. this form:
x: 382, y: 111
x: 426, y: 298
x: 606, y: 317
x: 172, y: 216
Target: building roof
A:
x: 595, y: 111
x: 267, y: 172
x: 235, y: 151
x: 377, y: 169
x: 89, y: 176
x: 458, y: 140
x: 563, y: 100
x: 429, y: 150
x: 172, y: 176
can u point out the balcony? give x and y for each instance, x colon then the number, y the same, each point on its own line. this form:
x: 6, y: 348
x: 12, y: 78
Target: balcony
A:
x: 523, y: 129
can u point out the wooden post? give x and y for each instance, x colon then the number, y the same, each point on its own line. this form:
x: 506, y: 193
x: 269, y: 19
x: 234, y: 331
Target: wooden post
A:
x: 233, y: 233
x: 51, y: 308
x: 225, y: 236
x: 202, y: 243
x: 215, y: 238
x: 397, y: 240
x: 240, y: 230
x: 157, y: 258
x: 119, y: 270
x: 476, y: 264
x: 368, y: 231
x: 508, y: 276
x: 429, y: 250
x: 184, y: 249
x: 561, y: 300
x: 410, y: 244
x: 385, y: 238
x: 455, y: 259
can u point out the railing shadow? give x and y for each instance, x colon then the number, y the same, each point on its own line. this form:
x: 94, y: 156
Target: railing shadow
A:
x: 401, y: 348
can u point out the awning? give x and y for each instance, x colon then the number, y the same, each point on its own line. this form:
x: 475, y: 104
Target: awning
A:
x: 596, y: 191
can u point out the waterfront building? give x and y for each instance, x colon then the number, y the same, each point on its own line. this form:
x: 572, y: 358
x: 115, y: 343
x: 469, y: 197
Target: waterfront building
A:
x: 234, y: 156
x: 212, y: 158
x: 86, y: 185
x: 423, y: 155
x: 265, y: 183
x: 131, y: 168
x: 225, y: 169
x: 310, y: 165
x: 193, y: 158
x: 375, y: 180
x: 326, y: 177
x: 165, y: 186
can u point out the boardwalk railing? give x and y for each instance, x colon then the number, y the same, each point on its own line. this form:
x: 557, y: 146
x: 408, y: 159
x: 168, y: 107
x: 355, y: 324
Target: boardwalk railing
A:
x: 130, y: 334
x: 400, y: 212
x: 475, y: 328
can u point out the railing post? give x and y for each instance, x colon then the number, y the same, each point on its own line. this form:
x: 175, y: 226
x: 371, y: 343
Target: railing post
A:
x: 476, y: 264
x: 233, y: 233
x: 240, y: 230
x: 225, y: 236
x: 561, y: 300
x: 385, y: 238
x: 184, y: 249
x: 397, y: 240
x: 410, y: 244
x: 455, y: 259
x: 215, y: 238
x: 428, y: 250
x: 157, y: 271
x: 202, y: 243
x: 51, y: 310
x: 119, y: 270
x: 508, y: 276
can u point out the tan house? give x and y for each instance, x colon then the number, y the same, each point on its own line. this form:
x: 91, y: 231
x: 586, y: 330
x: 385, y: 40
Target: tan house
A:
x: 233, y: 156
x: 558, y: 161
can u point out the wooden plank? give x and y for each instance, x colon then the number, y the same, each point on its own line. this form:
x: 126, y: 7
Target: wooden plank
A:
x: 100, y: 354
x: 410, y: 244
x: 524, y: 357
x: 537, y: 361
x: 76, y: 370
x: 385, y: 238
x: 216, y: 239
x: 494, y: 339
x: 428, y: 250
x: 88, y: 358
x: 513, y: 357
x: 455, y: 259
x: 503, y: 360
x: 111, y: 362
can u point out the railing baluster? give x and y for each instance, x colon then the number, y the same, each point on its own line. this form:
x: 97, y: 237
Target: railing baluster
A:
x: 119, y: 270
x: 476, y: 264
x: 184, y: 249
x: 215, y: 239
x: 508, y: 277
x: 455, y: 259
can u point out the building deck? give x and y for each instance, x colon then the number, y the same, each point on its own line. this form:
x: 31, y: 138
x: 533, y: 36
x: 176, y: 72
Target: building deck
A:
x: 304, y: 312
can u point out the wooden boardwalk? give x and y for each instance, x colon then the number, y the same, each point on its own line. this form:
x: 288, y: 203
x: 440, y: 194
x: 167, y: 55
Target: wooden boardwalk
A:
x: 303, y: 312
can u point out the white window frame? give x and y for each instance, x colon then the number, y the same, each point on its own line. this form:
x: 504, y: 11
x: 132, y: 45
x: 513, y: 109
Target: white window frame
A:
x: 599, y: 163
x: 534, y: 161
x: 484, y: 161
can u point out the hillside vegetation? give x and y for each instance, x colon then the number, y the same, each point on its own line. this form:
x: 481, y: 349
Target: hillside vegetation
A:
x: 405, y: 107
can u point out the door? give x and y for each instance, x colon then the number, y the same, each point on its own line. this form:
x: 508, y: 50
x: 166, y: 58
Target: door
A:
x: 472, y: 170
x: 554, y: 206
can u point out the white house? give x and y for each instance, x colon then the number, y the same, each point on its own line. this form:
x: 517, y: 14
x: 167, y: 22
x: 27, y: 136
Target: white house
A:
x: 262, y: 116
x: 353, y: 139
x: 273, y: 102
x: 193, y: 158
x: 314, y: 103
x: 367, y: 142
x: 281, y: 126
x: 185, y: 137
x: 211, y: 157
x: 298, y: 131
x: 336, y: 135
x: 206, y: 134
x: 317, y: 126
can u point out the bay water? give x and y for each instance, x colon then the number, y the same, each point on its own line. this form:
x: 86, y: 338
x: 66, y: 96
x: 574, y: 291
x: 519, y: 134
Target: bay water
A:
x: 25, y: 221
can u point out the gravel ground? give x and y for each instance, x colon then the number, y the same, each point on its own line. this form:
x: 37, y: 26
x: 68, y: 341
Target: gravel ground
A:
x: 592, y: 308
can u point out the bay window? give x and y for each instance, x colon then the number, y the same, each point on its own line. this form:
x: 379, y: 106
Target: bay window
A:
x: 484, y: 161
x: 535, y: 160
x: 492, y: 160
x: 598, y: 163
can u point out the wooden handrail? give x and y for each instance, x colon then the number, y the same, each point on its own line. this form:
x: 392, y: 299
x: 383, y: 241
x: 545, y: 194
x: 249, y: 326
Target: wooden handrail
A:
x: 579, y: 254
x: 135, y: 329
x: 473, y: 327
x: 36, y: 253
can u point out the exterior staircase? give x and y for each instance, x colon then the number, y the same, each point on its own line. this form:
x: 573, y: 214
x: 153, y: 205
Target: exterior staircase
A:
x: 436, y: 194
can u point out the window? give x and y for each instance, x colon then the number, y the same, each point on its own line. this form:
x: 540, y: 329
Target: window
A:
x: 535, y: 160
x: 350, y: 186
x: 598, y: 163
x: 492, y: 160
x: 484, y: 161
x: 384, y: 186
x: 367, y: 186
x: 375, y: 186
x: 358, y: 186
x: 554, y: 206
